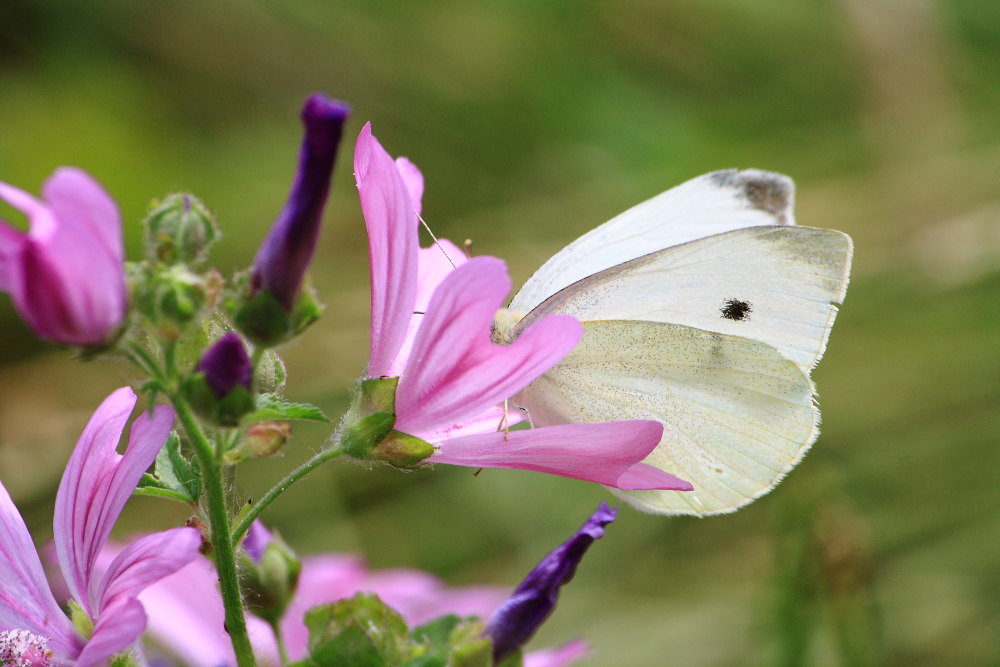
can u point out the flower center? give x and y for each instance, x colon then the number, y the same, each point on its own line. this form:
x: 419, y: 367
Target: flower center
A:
x: 20, y: 648
x: 504, y: 327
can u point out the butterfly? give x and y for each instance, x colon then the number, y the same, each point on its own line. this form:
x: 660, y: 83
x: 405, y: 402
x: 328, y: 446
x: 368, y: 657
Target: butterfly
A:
x: 704, y: 308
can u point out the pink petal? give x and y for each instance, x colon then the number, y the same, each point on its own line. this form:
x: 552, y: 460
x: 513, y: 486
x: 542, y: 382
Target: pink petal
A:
x: 86, y: 253
x: 66, y: 275
x: 414, y: 181
x: 11, y: 243
x: 604, y: 453
x: 26, y: 602
x: 490, y: 420
x: 392, y: 240
x: 323, y: 579
x: 186, y: 616
x: 79, y: 201
x: 145, y: 562
x: 560, y: 656
x: 433, y: 266
x: 114, y: 632
x: 455, y: 370
x: 465, y: 601
x: 97, y: 483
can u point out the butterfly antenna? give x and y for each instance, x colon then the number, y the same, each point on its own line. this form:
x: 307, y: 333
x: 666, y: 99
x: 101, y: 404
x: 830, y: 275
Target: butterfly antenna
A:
x: 435, y: 239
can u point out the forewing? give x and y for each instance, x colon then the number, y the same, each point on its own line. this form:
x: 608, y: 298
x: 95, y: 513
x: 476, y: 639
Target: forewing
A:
x: 737, y: 416
x: 710, y: 204
x: 777, y: 285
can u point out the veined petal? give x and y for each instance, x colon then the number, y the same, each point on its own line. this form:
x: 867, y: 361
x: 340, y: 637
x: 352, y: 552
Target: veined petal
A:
x: 114, y: 631
x: 455, y: 370
x: 145, y: 562
x: 433, y: 266
x: 602, y: 453
x: 392, y: 243
x: 414, y: 181
x: 97, y: 483
x: 26, y: 603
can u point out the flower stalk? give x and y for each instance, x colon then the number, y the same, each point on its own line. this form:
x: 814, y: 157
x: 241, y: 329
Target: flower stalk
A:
x: 218, y: 520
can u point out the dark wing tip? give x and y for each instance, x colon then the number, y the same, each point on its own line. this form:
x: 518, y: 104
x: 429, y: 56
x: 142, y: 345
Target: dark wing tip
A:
x: 765, y: 191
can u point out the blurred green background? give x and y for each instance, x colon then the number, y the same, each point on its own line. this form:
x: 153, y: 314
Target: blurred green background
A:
x: 533, y: 122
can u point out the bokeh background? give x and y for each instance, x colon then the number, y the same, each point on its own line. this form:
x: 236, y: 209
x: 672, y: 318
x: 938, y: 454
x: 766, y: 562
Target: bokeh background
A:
x: 533, y: 122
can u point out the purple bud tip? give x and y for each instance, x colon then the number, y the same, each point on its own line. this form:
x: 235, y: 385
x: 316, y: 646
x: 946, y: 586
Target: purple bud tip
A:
x: 284, y: 256
x: 258, y: 537
x: 534, y: 600
x: 226, y: 365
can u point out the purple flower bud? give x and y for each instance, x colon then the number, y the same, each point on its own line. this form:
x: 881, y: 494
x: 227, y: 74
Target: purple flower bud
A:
x: 226, y: 365
x: 257, y: 539
x: 284, y: 256
x: 520, y: 615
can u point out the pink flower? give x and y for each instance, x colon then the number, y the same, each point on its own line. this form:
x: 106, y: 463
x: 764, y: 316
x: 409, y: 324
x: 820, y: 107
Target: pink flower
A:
x: 186, y: 617
x: 451, y: 374
x: 65, y: 274
x: 94, y: 488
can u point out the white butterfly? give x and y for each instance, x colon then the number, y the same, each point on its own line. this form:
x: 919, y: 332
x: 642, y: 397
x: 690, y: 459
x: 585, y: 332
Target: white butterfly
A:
x: 704, y: 308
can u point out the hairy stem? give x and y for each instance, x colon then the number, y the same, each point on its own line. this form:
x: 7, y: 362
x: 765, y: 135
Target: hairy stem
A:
x: 281, y: 487
x: 218, y: 518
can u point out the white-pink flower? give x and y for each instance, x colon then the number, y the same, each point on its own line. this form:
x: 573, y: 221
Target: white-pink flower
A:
x: 66, y: 274
x: 94, y: 488
x: 452, y: 376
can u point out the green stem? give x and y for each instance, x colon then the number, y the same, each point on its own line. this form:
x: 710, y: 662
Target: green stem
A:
x: 145, y: 361
x: 218, y: 518
x: 280, y: 641
x: 281, y: 487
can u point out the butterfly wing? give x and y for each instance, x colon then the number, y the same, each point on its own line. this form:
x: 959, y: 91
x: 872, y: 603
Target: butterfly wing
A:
x: 777, y: 285
x: 737, y: 415
x: 710, y: 204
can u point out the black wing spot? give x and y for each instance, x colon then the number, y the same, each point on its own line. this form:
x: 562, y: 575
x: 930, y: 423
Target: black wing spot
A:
x: 737, y: 310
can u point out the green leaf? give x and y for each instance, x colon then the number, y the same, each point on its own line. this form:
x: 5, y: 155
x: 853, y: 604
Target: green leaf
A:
x: 271, y: 407
x: 173, y: 475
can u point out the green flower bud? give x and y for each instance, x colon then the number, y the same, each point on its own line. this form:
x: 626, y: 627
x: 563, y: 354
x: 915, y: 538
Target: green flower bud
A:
x: 171, y: 297
x: 261, y: 440
x: 179, y: 230
x: 270, y: 574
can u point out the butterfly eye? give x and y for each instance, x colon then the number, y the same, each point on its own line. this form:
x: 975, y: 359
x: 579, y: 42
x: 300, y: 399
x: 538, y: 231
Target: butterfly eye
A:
x: 737, y: 310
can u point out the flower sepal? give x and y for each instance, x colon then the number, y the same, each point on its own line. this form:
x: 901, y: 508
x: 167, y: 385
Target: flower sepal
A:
x: 369, y: 434
x: 81, y: 621
x: 261, y: 318
x: 171, y: 297
x: 223, y: 411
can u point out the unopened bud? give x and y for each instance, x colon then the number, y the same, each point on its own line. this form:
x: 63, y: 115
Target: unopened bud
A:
x: 179, y: 230
x: 271, y: 573
x: 261, y: 440
x: 220, y: 388
x: 171, y: 297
